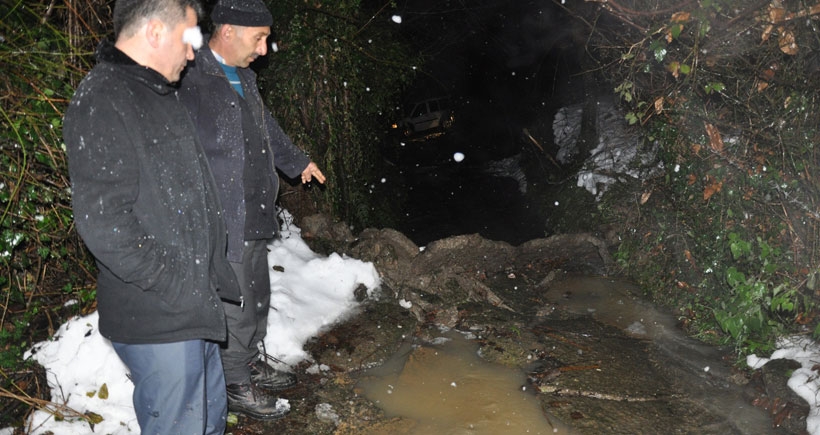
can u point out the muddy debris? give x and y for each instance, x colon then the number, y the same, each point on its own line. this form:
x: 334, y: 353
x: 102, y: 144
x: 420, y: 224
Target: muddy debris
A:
x: 592, y: 376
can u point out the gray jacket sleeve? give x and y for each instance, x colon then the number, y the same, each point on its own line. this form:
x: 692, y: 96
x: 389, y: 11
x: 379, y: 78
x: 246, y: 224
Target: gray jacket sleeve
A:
x: 288, y: 158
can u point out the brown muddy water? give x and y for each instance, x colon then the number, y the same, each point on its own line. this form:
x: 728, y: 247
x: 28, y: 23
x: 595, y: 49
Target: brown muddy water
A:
x: 446, y: 388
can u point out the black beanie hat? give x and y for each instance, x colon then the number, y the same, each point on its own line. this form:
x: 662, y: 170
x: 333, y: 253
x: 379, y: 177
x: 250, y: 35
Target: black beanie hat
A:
x: 247, y: 13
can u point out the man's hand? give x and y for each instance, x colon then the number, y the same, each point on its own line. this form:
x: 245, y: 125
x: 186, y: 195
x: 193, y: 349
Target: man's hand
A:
x: 312, y: 171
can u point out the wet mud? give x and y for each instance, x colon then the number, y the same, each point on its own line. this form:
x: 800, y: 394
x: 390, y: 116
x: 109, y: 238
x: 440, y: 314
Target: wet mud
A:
x: 588, y: 373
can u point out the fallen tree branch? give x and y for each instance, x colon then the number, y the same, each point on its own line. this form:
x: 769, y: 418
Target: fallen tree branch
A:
x: 571, y: 392
x: 616, y: 5
x: 55, y: 409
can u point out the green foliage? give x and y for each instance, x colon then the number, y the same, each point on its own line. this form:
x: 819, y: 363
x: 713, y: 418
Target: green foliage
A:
x: 15, y: 343
x: 333, y: 85
x: 754, y: 313
x: 714, y: 87
x: 44, y: 264
x: 729, y: 235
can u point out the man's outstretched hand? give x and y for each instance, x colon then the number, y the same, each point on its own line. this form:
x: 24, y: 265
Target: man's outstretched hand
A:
x: 312, y: 171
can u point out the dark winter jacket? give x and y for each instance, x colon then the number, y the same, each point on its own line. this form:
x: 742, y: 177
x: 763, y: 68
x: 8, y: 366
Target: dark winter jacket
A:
x: 219, y: 112
x: 146, y: 206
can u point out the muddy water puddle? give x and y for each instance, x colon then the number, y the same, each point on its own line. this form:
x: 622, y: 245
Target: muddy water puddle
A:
x: 448, y: 389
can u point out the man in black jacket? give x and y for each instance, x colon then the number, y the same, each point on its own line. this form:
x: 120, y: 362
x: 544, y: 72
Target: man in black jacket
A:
x: 147, y: 207
x: 245, y: 146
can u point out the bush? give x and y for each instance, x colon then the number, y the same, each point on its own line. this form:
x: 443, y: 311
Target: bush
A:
x: 333, y: 85
x: 728, y: 91
x: 47, y: 274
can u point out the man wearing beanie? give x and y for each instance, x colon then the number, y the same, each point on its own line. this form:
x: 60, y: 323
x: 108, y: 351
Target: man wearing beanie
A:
x: 244, y: 146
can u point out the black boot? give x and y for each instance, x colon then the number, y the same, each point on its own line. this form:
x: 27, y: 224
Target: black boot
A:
x: 250, y: 400
x: 270, y: 379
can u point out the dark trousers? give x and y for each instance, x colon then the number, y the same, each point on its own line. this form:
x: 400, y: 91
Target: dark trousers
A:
x: 179, y: 387
x: 248, y: 324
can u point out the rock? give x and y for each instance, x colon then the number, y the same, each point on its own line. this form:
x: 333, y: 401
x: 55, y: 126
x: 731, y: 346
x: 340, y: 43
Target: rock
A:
x: 389, y: 250
x: 463, y: 253
x: 323, y: 235
x: 582, y: 253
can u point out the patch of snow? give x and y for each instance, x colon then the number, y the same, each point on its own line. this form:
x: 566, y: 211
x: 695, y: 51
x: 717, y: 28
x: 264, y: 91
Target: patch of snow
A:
x: 325, y: 413
x: 310, y: 294
x: 618, y: 154
x: 805, y: 381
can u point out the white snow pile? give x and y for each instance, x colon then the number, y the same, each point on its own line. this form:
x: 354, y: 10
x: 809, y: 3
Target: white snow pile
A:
x: 308, y: 294
x: 804, y: 381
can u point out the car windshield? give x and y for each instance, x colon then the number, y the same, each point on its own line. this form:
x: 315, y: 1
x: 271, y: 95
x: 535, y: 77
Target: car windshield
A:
x: 428, y: 106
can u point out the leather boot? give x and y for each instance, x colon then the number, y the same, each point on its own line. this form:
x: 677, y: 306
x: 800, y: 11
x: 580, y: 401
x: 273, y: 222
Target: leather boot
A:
x: 248, y: 399
x: 269, y: 378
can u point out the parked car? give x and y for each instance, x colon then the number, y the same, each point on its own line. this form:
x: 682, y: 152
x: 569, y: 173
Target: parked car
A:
x: 427, y: 116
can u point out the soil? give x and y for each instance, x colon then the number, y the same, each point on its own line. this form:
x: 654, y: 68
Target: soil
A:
x: 591, y: 376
